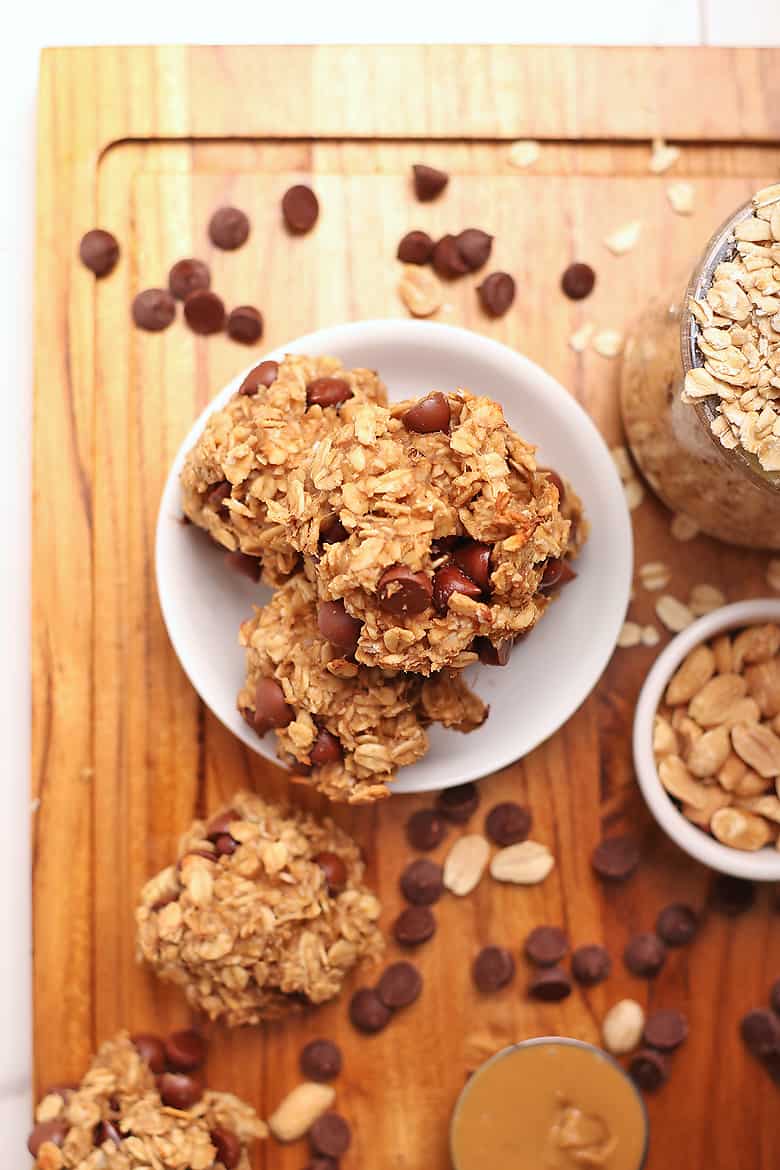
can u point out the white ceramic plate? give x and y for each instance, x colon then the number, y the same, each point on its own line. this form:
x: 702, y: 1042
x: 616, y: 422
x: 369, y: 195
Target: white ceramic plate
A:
x: 549, y: 675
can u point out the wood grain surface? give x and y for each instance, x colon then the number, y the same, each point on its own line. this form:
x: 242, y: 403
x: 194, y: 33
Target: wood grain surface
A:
x: 147, y: 142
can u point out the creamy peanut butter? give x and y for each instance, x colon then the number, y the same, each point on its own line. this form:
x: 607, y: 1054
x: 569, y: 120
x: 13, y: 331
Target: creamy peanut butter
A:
x: 550, y: 1105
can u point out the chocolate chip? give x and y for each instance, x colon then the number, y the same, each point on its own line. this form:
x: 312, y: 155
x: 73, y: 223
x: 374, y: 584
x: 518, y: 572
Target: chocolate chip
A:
x: 245, y: 324
x: 402, y: 592
x: 151, y: 1050
x: 496, y: 293
x: 425, y: 829
x: 421, y: 882
x: 332, y: 531
x: 430, y: 414
x: 644, y: 955
x: 399, y: 985
x: 648, y: 1070
x: 250, y: 567
x: 300, y: 209
x: 221, y: 823
x: 578, y: 281
x: 760, y: 1032
x: 334, y: 871
x: 615, y: 858
x: 271, y: 710
x: 414, y: 925
x: 415, y: 248
x: 551, y: 985
x: 474, y: 559
x: 263, y: 375
x: 447, y: 260
x: 228, y: 1147
x: 99, y: 251
x: 47, y: 1131
x: 557, y: 573
x: 216, y: 495
x: 330, y: 1135
x: 204, y: 312
x: 179, y: 1090
x: 187, y: 276
x: 507, y: 823
x: 492, y: 655
x: 677, y: 924
x: 428, y: 182
x: 337, y: 626
x: 546, y: 945
x: 225, y: 845
x: 774, y: 997
x: 320, y: 1060
x: 458, y: 804
x: 493, y: 969
x: 731, y: 896
x: 326, y: 392
x: 106, y: 1131
x: 449, y: 579
x: 474, y: 246
x: 665, y: 1029
x: 153, y: 309
x: 591, y: 964
x: 228, y: 228
x: 367, y: 1012
x: 185, y: 1051
x: 442, y: 546
x: 326, y: 749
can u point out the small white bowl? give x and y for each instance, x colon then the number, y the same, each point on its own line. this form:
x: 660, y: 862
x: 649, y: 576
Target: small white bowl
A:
x: 549, y: 675
x: 764, y: 864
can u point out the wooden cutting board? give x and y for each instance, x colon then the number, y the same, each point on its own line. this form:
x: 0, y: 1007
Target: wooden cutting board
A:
x: 147, y: 142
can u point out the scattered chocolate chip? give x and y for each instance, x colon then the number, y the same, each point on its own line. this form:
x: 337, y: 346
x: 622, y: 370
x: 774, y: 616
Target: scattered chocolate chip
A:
x: 326, y: 392
x: 47, y: 1131
x: 367, y: 1012
x: 493, y: 969
x: 458, y: 804
x: 546, y: 945
x: 337, y: 626
x: 187, y: 276
x: 334, y: 870
x: 760, y: 1032
x: 399, y: 985
x: 677, y: 924
x: 507, y: 823
x: 442, y: 546
x: 185, y: 1051
x: 665, y: 1029
x: 106, y: 1131
x: 300, y: 208
x: 179, y: 1090
x: 421, y: 882
x: 151, y: 1050
x: 153, y: 309
x: 271, y: 710
x: 557, y: 573
x: 216, y: 495
x: 644, y: 955
x: 414, y: 925
x: 228, y: 1147
x: 550, y: 985
x: 447, y: 260
x: 648, y: 1070
x: 450, y: 579
x: 428, y: 182
x: 330, y: 1135
x: 245, y: 324
x: 615, y: 858
x: 263, y: 375
x: 228, y: 228
x: 731, y: 896
x: 591, y: 964
x: 474, y: 559
x: 474, y: 246
x: 492, y: 655
x: 402, y: 592
x: 333, y: 531
x: 425, y: 829
x: 99, y: 251
x: 221, y: 823
x: 496, y: 293
x: 242, y: 563
x: 774, y: 997
x: 578, y: 281
x: 204, y: 312
x: 415, y: 248
x: 326, y: 749
x: 320, y: 1060
x: 430, y: 414
x: 225, y: 845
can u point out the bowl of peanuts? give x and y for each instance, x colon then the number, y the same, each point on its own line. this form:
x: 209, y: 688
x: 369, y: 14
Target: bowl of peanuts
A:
x: 707, y: 740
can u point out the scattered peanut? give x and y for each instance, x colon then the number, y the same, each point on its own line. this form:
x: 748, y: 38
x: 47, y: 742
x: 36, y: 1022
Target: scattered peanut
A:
x: 630, y: 635
x: 420, y: 291
x: 655, y: 575
x: 674, y: 615
x: 683, y: 528
x: 524, y: 864
x: 624, y: 238
x: 299, y: 1110
x: 622, y: 1027
x: 704, y: 599
x: 465, y: 863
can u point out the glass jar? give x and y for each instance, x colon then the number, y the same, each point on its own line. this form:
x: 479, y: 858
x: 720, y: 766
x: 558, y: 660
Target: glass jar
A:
x: 725, y: 492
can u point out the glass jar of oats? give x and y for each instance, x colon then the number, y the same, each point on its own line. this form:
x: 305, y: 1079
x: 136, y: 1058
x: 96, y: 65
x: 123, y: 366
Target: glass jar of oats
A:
x: 700, y: 384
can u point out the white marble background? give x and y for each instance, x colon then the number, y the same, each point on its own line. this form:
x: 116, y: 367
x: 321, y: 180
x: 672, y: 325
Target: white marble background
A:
x: 50, y: 22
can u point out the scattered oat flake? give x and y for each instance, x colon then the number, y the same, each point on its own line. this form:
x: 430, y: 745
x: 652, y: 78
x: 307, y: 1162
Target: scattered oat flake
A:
x: 625, y: 238
x: 650, y: 636
x: 683, y: 528
x: 630, y: 635
x: 634, y: 493
x: 608, y: 342
x: 524, y: 153
x: 674, y: 615
x: 663, y: 156
x: 580, y: 339
x: 704, y: 599
x: 655, y: 575
x: 773, y: 574
x: 681, y: 197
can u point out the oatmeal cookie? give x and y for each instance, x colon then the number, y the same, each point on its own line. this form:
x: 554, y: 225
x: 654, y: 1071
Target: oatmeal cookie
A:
x: 241, y: 461
x: 350, y: 726
x: 122, y: 1116
x: 449, y: 530
x: 265, y: 910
